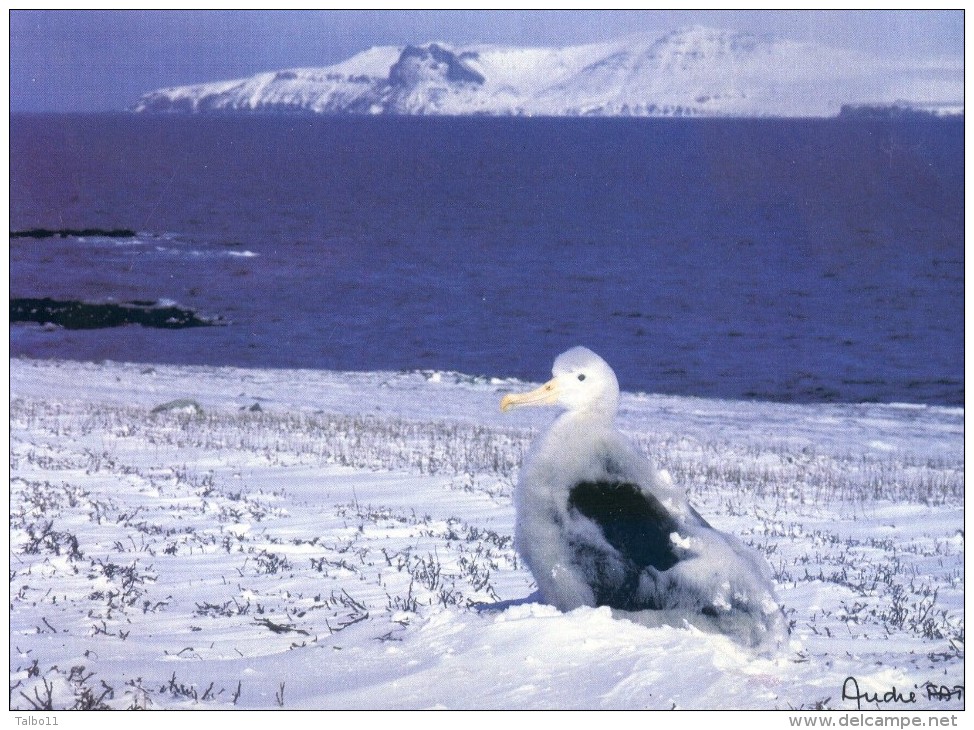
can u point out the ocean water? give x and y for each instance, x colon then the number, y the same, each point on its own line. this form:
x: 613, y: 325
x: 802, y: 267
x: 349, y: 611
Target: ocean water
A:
x: 787, y: 260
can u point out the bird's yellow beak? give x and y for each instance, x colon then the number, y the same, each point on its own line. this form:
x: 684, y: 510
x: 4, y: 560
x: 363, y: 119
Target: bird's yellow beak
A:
x: 545, y: 395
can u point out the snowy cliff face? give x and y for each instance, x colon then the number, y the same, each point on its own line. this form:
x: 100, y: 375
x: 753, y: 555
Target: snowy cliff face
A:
x: 426, y: 78
x: 690, y: 72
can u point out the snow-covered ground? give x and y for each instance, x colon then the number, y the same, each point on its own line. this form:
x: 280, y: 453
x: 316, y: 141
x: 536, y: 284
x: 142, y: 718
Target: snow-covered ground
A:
x: 223, y: 538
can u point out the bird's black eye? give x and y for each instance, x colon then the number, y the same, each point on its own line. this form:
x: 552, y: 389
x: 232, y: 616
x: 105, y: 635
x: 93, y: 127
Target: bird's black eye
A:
x: 581, y: 376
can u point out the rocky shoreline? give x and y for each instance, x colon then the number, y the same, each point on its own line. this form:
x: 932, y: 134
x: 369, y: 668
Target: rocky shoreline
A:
x: 78, y: 315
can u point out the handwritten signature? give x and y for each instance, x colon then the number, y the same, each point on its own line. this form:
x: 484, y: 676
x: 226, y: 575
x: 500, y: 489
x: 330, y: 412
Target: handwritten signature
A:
x: 933, y: 691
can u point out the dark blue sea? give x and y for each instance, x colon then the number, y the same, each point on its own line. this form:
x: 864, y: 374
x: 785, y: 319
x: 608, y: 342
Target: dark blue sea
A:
x: 784, y: 260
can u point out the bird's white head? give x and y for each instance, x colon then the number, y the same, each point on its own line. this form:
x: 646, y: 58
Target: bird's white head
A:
x: 582, y: 381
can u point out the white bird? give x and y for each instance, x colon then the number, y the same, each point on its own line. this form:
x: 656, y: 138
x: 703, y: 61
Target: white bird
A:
x: 598, y: 526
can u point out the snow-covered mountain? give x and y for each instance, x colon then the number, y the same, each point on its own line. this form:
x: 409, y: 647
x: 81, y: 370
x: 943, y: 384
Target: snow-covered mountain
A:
x: 690, y: 72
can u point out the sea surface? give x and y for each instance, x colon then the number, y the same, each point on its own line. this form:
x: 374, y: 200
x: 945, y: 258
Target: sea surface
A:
x: 785, y: 260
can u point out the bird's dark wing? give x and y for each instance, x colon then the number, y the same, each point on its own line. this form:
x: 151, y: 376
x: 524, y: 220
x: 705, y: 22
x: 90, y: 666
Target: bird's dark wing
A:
x: 636, y: 524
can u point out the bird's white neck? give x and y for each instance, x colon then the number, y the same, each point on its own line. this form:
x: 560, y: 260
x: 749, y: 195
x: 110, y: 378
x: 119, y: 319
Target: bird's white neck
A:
x: 582, y: 424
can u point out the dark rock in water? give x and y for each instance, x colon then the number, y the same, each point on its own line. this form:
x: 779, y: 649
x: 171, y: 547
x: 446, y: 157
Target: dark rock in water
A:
x: 73, y: 232
x: 75, y: 315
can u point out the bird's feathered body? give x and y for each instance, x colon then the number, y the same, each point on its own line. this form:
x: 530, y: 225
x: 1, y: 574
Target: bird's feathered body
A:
x: 598, y: 526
